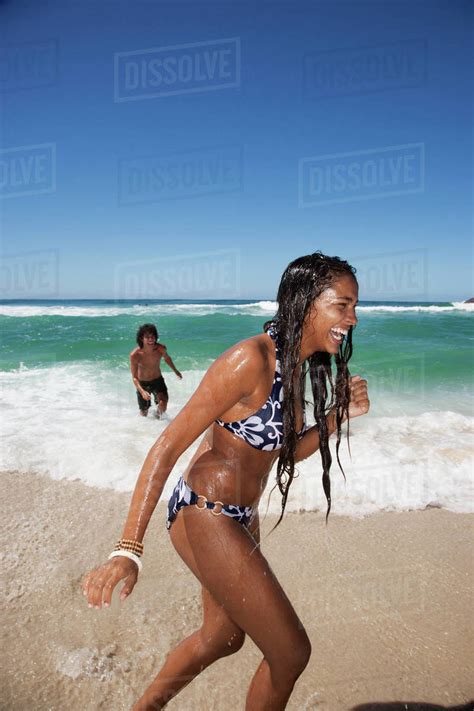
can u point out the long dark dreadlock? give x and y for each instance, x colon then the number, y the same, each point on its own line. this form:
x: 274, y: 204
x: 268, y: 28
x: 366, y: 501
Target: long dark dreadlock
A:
x: 302, y: 282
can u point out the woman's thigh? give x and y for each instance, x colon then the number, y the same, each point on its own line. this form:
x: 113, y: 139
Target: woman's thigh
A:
x: 222, y: 555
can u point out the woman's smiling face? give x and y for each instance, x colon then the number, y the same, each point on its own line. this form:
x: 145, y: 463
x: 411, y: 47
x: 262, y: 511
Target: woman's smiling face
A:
x: 330, y: 317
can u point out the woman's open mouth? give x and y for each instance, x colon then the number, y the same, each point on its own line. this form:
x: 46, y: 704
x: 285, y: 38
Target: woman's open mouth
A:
x: 338, y: 335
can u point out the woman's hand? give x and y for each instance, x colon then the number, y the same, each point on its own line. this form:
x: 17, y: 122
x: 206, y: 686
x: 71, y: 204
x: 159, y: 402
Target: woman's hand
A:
x: 99, y: 584
x: 359, y: 397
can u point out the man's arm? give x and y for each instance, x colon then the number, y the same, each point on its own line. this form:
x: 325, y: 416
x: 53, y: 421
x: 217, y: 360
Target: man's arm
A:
x: 169, y: 362
x: 134, y: 370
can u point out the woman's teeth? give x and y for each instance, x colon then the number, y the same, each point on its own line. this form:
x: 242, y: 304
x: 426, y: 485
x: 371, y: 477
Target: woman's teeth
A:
x: 338, y: 334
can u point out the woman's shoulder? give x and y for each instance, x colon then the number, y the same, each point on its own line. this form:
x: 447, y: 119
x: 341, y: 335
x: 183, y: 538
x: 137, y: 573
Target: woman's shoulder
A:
x: 245, y: 361
x: 252, y: 351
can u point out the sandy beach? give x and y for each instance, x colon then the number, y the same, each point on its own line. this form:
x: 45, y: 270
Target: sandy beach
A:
x: 386, y: 601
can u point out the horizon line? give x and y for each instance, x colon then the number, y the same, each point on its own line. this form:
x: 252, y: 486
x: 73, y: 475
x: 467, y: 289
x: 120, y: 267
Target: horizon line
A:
x: 194, y: 299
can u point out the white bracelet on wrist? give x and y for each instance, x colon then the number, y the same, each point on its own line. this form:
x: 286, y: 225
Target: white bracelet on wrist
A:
x: 127, y: 554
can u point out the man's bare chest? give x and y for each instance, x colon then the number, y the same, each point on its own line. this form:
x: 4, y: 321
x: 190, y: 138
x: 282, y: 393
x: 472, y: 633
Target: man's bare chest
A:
x: 148, y: 360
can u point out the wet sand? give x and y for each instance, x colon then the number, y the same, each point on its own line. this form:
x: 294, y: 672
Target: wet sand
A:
x: 386, y: 600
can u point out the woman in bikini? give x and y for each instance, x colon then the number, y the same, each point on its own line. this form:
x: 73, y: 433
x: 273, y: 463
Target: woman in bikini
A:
x: 213, y: 512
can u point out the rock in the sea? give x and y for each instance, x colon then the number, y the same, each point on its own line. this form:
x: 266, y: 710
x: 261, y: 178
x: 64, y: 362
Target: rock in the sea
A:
x: 470, y: 301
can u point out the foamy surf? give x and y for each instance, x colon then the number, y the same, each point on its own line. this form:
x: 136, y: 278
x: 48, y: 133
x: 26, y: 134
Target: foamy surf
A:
x: 433, y: 308
x: 254, y: 308
x: 80, y: 421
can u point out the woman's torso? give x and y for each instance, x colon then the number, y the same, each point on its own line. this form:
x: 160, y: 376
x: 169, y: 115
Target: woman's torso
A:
x: 227, y: 468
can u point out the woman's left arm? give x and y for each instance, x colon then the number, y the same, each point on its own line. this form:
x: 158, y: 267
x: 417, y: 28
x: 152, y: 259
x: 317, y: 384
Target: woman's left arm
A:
x: 358, y: 405
x: 309, y: 442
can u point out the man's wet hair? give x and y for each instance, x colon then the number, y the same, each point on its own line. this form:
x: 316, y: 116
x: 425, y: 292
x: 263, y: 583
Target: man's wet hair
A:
x: 143, y: 330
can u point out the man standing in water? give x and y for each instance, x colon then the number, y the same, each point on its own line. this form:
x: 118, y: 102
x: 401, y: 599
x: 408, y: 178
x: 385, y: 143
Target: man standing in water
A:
x: 146, y: 372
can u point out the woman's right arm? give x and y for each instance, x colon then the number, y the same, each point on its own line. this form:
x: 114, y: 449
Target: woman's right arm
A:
x: 230, y: 378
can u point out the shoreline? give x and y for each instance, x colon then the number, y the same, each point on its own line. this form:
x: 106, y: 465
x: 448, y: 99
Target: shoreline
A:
x: 385, y: 599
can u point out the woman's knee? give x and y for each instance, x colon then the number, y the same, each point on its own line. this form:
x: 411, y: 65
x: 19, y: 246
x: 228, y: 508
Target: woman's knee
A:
x: 292, y: 661
x: 216, y: 643
x: 233, y: 643
x: 304, y: 652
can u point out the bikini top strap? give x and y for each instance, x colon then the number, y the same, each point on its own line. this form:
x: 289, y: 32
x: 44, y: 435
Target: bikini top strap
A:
x: 273, y: 333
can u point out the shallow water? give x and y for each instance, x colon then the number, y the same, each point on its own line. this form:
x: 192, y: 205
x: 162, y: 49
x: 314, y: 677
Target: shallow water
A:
x: 70, y: 409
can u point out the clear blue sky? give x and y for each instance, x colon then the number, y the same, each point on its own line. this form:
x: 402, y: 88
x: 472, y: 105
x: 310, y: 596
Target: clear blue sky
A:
x: 313, y: 79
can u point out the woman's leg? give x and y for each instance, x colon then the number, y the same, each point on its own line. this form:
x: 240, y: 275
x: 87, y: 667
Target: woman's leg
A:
x: 218, y: 637
x: 223, y: 556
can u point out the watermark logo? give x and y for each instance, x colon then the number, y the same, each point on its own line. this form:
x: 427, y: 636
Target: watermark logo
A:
x: 180, y: 175
x: 28, y: 170
x: 384, y: 485
x: 362, y: 175
x: 30, y: 275
x: 396, y: 592
x: 29, y: 65
x: 206, y: 275
x: 388, y: 275
x: 179, y: 69
x: 364, y: 70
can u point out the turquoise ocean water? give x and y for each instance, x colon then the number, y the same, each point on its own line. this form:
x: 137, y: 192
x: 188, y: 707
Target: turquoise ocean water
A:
x: 64, y: 373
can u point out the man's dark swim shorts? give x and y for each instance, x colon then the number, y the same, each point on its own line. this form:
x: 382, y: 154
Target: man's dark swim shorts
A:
x: 154, y: 387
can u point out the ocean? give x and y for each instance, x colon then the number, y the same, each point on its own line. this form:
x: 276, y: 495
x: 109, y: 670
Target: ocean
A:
x: 69, y: 405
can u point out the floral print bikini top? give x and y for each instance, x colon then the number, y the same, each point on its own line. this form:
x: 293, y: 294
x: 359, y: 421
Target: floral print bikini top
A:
x: 264, y: 429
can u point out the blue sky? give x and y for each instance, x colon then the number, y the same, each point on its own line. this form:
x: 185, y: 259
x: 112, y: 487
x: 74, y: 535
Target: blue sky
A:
x: 255, y: 161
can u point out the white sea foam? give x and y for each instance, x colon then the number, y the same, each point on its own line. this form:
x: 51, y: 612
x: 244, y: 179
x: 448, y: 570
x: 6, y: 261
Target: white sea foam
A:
x: 80, y: 421
x: 434, y: 308
x: 93, y: 311
x: 463, y: 306
x: 268, y: 306
x: 257, y: 308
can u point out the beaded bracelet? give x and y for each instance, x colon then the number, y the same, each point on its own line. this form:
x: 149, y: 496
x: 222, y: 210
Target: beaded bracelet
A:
x: 122, y: 547
x: 127, y: 554
x: 129, y: 545
x: 132, y: 542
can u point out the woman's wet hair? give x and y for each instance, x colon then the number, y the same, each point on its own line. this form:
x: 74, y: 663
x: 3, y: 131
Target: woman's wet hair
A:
x: 143, y: 330
x: 302, y: 282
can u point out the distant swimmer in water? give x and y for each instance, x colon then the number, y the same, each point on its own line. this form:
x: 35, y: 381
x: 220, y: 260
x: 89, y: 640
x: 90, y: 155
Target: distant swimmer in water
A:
x: 146, y: 372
